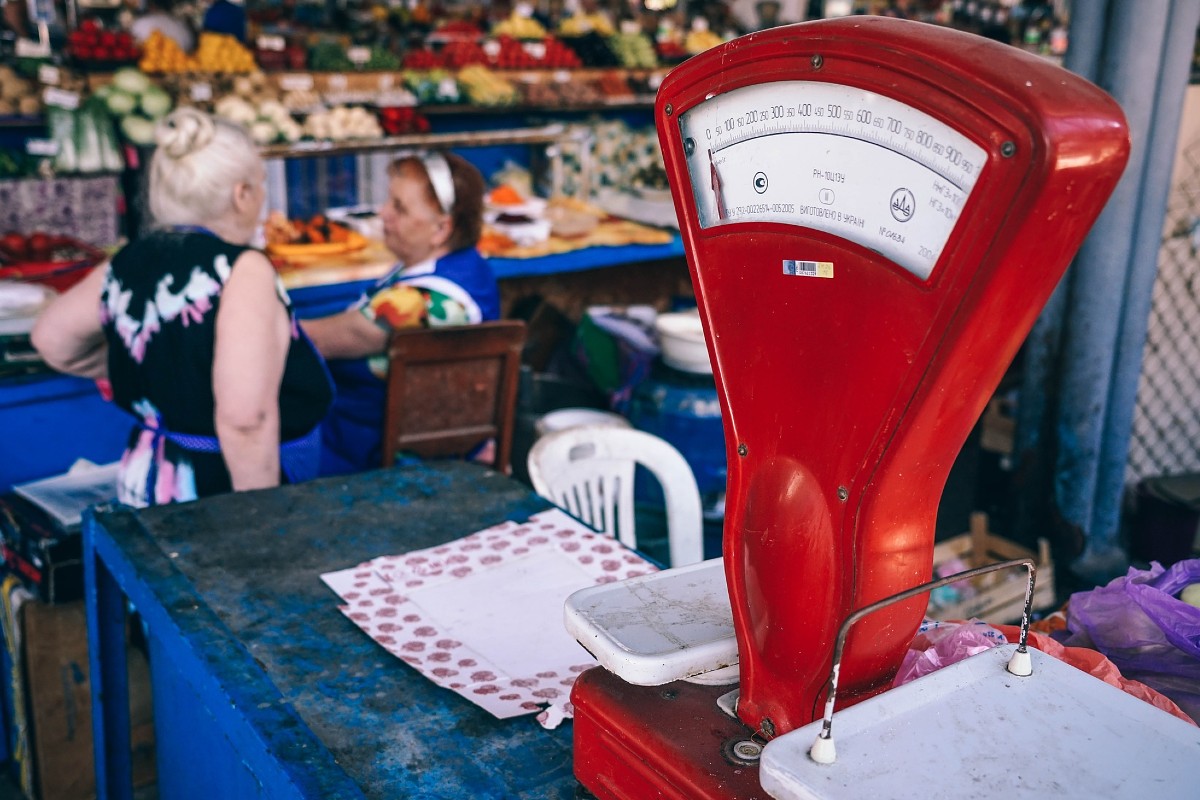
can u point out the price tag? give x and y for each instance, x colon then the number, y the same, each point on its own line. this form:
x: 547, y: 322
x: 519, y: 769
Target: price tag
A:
x: 337, y: 82
x: 274, y: 43
x: 562, y: 76
x: 386, y: 81
x: 296, y: 82
x: 41, y: 147
x: 630, y: 27
x: 53, y: 96
x: 448, y: 88
x: 523, y: 10
x: 201, y: 92
x: 699, y: 24
x: 654, y: 81
x: 49, y: 75
x: 359, y: 55
x: 535, y: 49
x: 491, y: 48
x: 28, y: 48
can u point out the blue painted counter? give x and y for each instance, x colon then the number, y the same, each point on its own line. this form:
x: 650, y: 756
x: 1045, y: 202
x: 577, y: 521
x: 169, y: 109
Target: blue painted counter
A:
x: 262, y: 688
x: 49, y: 421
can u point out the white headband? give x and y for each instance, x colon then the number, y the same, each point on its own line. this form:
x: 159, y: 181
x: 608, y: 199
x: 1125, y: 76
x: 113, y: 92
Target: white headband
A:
x: 443, y: 181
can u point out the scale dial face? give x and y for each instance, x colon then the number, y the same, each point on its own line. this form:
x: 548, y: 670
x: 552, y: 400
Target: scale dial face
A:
x: 847, y: 161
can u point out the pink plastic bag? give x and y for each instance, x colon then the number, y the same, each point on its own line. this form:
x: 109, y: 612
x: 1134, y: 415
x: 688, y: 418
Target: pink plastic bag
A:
x: 940, y: 644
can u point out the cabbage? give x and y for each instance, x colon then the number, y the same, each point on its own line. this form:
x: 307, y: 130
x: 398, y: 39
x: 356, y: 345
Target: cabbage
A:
x: 131, y: 81
x: 155, y: 103
x: 120, y: 103
x: 138, y: 130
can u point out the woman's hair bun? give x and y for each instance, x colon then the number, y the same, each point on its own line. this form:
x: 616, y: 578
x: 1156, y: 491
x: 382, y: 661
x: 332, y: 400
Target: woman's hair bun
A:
x: 184, y: 131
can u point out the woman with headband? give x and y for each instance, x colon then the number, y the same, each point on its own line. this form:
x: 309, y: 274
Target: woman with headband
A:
x: 194, y: 332
x: 432, y: 220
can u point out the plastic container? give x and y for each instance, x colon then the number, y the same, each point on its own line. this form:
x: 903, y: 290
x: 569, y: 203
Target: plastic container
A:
x: 564, y: 418
x: 681, y: 337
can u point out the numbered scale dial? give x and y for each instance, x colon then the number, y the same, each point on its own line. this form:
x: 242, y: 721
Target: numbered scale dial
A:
x: 846, y: 161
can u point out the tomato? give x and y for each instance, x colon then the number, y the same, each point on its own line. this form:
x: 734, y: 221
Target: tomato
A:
x: 38, y: 246
x: 13, y: 243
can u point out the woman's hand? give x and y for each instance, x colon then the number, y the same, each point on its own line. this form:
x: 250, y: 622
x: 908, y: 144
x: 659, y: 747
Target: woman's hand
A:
x: 252, y: 339
x: 67, y: 334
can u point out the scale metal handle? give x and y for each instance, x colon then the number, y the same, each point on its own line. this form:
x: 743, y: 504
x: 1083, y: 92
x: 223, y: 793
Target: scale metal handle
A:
x: 823, y: 751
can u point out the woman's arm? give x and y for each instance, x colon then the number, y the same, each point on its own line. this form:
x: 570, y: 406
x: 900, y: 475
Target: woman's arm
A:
x: 252, y: 339
x: 347, y: 334
x: 67, y: 334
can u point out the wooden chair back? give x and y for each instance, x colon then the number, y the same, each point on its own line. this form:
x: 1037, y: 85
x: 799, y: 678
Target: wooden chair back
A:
x: 450, y: 389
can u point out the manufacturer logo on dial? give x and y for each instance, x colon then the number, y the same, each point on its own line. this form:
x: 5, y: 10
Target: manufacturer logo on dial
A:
x: 903, y: 205
x: 760, y: 182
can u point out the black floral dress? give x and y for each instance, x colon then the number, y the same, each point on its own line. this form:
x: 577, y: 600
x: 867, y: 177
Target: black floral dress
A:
x: 158, y: 309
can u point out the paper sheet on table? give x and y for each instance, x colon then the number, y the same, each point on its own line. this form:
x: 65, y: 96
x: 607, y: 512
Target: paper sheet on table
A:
x: 483, y: 615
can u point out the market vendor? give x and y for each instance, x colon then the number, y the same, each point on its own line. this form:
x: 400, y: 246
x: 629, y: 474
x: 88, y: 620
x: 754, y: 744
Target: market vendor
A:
x: 432, y: 220
x: 194, y: 332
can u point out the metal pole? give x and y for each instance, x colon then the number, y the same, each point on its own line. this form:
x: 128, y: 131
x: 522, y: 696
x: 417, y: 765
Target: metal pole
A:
x: 1129, y: 71
x: 1174, y: 74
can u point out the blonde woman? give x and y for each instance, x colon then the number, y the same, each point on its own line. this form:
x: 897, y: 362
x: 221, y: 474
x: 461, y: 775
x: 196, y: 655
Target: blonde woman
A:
x: 194, y: 332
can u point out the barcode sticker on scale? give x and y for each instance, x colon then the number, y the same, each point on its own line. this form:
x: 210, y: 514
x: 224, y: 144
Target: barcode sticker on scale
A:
x: 808, y: 269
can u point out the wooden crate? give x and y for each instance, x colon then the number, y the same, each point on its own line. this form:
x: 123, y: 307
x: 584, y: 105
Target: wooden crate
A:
x: 999, y: 596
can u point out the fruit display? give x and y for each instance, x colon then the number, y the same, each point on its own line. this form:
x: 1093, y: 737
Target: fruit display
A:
x: 548, y: 53
x: 340, y: 123
x: 460, y: 53
x: 582, y: 24
x: 485, y: 88
x: 519, y: 27
x: 55, y: 261
x: 216, y: 53
x: 433, y: 87
x: 84, y: 137
x: 700, y: 39
x: 135, y: 102
x: 397, y: 120
x: 592, y: 48
x: 633, y: 50
x: 566, y: 94
x: 17, y: 95
x: 92, y: 46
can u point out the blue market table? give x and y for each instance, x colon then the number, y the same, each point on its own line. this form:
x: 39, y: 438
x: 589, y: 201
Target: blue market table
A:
x: 262, y: 688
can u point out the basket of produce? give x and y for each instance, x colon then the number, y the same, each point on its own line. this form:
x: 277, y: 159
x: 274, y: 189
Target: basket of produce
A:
x: 55, y: 261
x: 316, y: 236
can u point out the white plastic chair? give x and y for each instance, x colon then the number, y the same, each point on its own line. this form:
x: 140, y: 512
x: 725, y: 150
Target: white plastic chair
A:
x: 588, y: 471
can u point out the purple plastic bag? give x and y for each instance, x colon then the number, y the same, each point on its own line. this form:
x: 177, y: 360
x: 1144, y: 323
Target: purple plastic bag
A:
x: 1150, y: 634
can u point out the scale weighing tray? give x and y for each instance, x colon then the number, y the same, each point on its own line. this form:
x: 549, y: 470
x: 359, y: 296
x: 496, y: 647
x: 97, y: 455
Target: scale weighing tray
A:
x: 974, y: 730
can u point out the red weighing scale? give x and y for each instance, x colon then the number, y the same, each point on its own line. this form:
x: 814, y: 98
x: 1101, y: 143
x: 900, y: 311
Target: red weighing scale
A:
x: 874, y: 213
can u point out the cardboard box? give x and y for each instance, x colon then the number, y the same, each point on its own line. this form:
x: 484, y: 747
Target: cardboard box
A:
x: 60, y: 703
x: 997, y: 597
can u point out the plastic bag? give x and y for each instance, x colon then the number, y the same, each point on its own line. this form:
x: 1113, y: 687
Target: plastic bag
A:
x: 940, y: 644
x: 1139, y: 624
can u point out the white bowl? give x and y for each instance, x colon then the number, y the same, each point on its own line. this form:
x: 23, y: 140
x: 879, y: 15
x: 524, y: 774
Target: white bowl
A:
x: 681, y: 337
x: 564, y: 418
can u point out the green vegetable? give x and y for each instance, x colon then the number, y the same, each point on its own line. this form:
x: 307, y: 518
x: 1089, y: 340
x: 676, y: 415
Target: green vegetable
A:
x: 138, y: 130
x: 131, y: 81
x: 61, y: 124
x: 120, y: 103
x: 155, y: 103
x: 111, y: 159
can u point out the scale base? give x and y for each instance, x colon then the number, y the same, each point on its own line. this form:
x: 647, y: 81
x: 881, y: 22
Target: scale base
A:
x: 670, y: 742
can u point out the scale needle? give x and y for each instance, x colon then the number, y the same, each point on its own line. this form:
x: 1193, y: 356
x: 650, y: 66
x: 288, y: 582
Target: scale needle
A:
x: 715, y: 177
